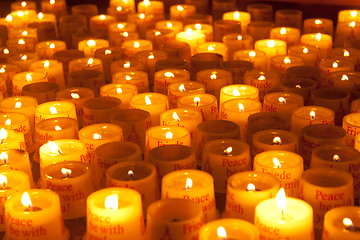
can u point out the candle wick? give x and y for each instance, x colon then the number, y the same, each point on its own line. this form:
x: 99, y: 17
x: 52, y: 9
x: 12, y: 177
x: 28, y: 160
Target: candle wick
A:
x: 197, y: 103
x: 33, y: 209
x: 282, y: 214
x: 60, y: 152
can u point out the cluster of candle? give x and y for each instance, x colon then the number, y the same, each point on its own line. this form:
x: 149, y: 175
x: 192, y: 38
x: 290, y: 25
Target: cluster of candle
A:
x: 239, y: 127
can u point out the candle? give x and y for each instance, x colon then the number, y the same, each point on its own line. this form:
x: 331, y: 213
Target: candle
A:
x: 179, y: 89
x: 214, y: 80
x: 202, y: 61
x: 47, y: 49
x: 331, y: 65
x: 181, y: 11
x: 57, y: 7
x: 247, y: 189
x: 345, y: 31
x: 169, y: 158
x: 134, y: 46
x: 324, y: 189
x: 350, y: 124
x: 155, y: 8
x: 256, y: 57
x: 123, y: 91
x: 23, y: 61
x: 238, y: 110
x: 266, y: 81
x: 193, y: 185
x: 186, y: 118
x: 348, y: 15
x: 109, y: 154
x: 193, y: 38
x: 260, y: 11
x: 138, y: 175
x: 53, y: 69
x: 282, y: 63
x: 223, y: 158
x: 310, y: 54
x: 236, y: 42
x: 284, y: 165
x: 238, y: 91
x: 107, y: 56
x: 165, y: 135
x: 341, y: 222
x: 228, y: 229
x: 176, y: 26
x: 349, y: 54
x: 85, y: 64
x: 54, y: 109
x: 173, y: 219
x: 288, y: 34
x: 114, y: 213
x: 40, y: 211
x: 318, y: 25
x: 271, y: 47
x: 98, y: 110
x: 134, y: 123
x: 90, y: 46
x: 72, y: 182
x: 205, y: 103
x: 214, y: 47
x: 260, y: 30
x: 136, y: 78
x: 283, y: 103
x: 164, y: 78
x: 154, y: 103
x: 176, y: 49
x: 12, y: 139
x: 267, y: 140
x: 100, y: 24
x: 320, y: 40
x: 283, y: 215
x: 7, y: 71
x: 22, y: 79
x: 206, y: 29
x: 288, y: 18
x: 45, y: 25
x: 224, y: 27
x: 243, y: 17
x: 304, y: 116
x: 143, y: 21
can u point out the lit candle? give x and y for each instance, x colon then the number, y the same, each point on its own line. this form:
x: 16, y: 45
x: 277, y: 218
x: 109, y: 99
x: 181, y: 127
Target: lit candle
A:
x: 134, y: 46
x: 72, y: 182
x: 206, y: 29
x: 205, y: 103
x: 310, y: 54
x: 176, y: 26
x: 53, y: 69
x: 345, y: 31
x: 213, y: 47
x: 90, y: 46
x: 194, y: 185
x: 39, y: 210
x: 214, y: 80
x: 286, y: 166
x: 143, y: 21
x: 85, y: 64
x: 266, y: 81
x: 182, y: 11
x: 100, y: 24
x: 238, y: 91
x: 283, y: 103
x: 179, y: 89
x: 23, y: 61
x: 164, y: 78
x: 193, y: 38
x: 11, y: 139
x: 54, y: 109
x: 155, y: 8
x: 243, y: 17
x: 247, y: 189
x: 137, y: 78
x: 320, y: 40
x: 350, y: 124
x: 123, y: 91
x: 57, y: 7
x: 318, y: 25
x: 256, y: 57
x: 114, y: 213
x: 288, y: 34
x: 237, y: 42
x: 331, y: 65
x: 348, y: 15
x: 24, y: 78
x: 271, y: 47
x: 223, y: 158
x: 283, y: 62
x: 46, y: 49
x: 287, y: 217
x: 325, y: 189
x: 7, y: 71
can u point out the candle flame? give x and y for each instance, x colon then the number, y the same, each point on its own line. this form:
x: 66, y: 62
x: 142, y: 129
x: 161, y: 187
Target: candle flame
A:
x: 54, y: 149
x: 353, y: 13
x: 239, y: 37
x: 96, y: 136
x: 102, y: 17
x: 127, y: 64
x: 241, y: 107
x: 91, y: 43
x: 147, y: 100
x: 213, y: 75
x: 298, y: 86
x: 20, y: 14
x: 287, y: 60
x: 136, y: 44
x: 182, y: 88
x: 40, y: 15
x: 142, y: 16
x: 4, y: 157
x: 336, y: 158
x: 318, y: 37
x: 188, y: 32
x: 277, y: 140
x: 197, y: 100
x: 270, y: 43
x: 221, y: 233
x: 282, y: 100
x: 8, y: 122
x: 236, y: 15
x: 344, y: 78
x: 53, y: 110
x: 169, y: 25
x: 6, y: 51
x: 23, y: 4
x: 228, y: 151
x: 305, y: 50
x: 281, y: 201
x: 118, y: 8
x: 352, y: 24
x: 151, y: 56
x: 18, y: 105
x: 112, y: 202
x: 347, y: 222
x: 28, y: 77
x: 67, y: 172
x: 169, y: 74
x: 25, y: 200
x: 3, y: 180
x: 52, y: 46
x: 146, y: 3
x: 236, y: 92
x: 318, y: 21
x: 335, y: 65
x: 2, y: 70
x: 58, y: 128
x: 262, y: 77
x: 127, y: 77
x: 283, y: 31
x: 74, y: 95
x: 252, y: 54
x: 46, y: 64
x: 169, y: 135
x: 90, y: 62
x: 3, y: 134
x: 21, y: 41
x: 346, y: 53
x: 250, y: 187
x: 198, y: 26
x: 211, y: 48
x: 8, y: 18
x: 175, y: 116
x: 276, y: 163
x: 188, y: 184
x: 312, y: 115
x: 120, y: 26
x: 125, y: 34
x: 24, y: 33
x: 52, y: 2
x: 119, y: 90
x: 130, y: 173
x: 179, y: 8
x: 23, y: 58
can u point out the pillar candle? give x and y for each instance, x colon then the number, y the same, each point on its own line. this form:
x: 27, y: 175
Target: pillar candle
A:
x: 53, y: 69
x: 318, y: 25
x: 179, y: 89
x: 243, y: 17
x: 283, y: 62
x: 136, y: 78
x: 194, y: 185
x: 320, y: 40
x: 98, y: 110
x: 181, y: 11
x: 143, y: 21
x: 283, y: 103
x: 193, y: 38
x: 286, y: 166
x: 266, y: 81
x: 331, y: 65
x: 72, y: 182
x: 345, y: 31
x: 247, y: 189
x: 349, y: 54
x: 46, y: 49
x: 40, y: 210
x: 256, y: 57
x: 324, y: 189
x: 54, y: 109
x: 288, y: 34
x: 123, y: 91
x: 90, y: 46
x: 16, y: 159
x: 238, y: 91
x: 214, y: 80
x: 271, y: 47
x: 24, y: 78
x: 215, y: 47
x: 205, y: 103
x: 350, y: 124
x: 134, y: 46
x: 236, y: 42
x: 23, y: 61
x: 85, y: 64
x: 164, y: 78
x: 223, y: 158
x: 310, y: 54
x: 121, y: 209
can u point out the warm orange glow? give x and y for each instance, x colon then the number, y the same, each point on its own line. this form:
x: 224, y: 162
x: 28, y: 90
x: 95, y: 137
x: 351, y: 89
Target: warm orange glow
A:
x: 53, y: 110
x: 305, y: 50
x: 25, y: 200
x: 239, y: 37
x: 4, y: 157
x: 344, y: 78
x: 287, y: 60
x: 175, y: 116
x: 18, y: 105
x: 283, y: 31
x: 318, y: 37
x: 318, y: 21
x: 277, y: 140
x: 270, y: 43
x: 236, y: 92
x: 182, y: 88
x: 228, y: 151
x: 282, y: 100
x: 54, y: 149
x: 189, y: 183
x: 111, y: 202
x: 347, y: 222
x: 52, y: 46
x: 3, y: 181
x: 28, y: 77
x: 96, y: 136
x: 58, y: 128
x: 221, y: 233
x: 127, y: 64
x: 74, y: 95
x: 102, y: 17
x: 169, y: 74
x: 312, y: 115
x: 335, y: 65
x: 46, y: 64
x: 241, y: 107
x: 119, y: 90
x: 336, y: 158
x: 90, y: 61
x: 250, y: 187
x: 276, y: 163
x: 136, y: 44
x: 213, y: 75
x: 169, y: 135
x: 91, y: 43
x: 147, y: 100
x: 281, y: 201
x: 67, y: 172
x: 179, y: 8
x: 21, y: 41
